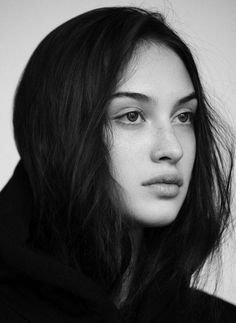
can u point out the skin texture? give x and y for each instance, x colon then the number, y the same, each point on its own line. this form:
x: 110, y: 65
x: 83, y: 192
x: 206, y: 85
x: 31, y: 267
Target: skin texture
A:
x: 152, y: 136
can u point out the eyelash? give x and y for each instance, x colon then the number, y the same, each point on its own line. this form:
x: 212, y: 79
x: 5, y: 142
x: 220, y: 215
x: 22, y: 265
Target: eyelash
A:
x: 188, y: 113
x: 137, y: 113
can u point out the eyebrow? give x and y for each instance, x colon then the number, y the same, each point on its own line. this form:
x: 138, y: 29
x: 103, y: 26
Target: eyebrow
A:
x: 145, y: 98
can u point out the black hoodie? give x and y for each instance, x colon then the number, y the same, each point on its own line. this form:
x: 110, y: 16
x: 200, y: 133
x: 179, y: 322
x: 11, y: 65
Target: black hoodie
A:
x: 35, y: 287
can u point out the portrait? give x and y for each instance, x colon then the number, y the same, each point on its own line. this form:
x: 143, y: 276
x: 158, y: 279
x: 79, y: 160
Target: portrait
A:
x: 121, y: 199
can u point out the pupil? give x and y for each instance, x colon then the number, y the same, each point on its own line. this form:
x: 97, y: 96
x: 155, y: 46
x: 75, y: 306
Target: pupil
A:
x: 132, y: 116
x: 183, y: 117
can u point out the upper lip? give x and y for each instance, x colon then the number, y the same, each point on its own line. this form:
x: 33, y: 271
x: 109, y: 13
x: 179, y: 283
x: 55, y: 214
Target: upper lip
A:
x: 165, y: 179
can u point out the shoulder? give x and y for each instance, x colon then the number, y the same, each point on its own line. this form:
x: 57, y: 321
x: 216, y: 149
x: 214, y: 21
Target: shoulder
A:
x: 210, y: 308
x: 9, y: 314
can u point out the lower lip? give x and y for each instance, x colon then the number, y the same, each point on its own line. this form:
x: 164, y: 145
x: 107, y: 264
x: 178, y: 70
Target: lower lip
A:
x: 165, y: 190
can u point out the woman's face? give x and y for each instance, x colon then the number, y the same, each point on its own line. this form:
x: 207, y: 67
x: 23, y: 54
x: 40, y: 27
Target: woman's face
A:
x: 152, y: 146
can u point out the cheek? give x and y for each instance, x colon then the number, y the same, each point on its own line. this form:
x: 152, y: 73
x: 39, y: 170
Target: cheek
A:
x: 124, y: 159
x: 127, y: 152
x: 188, y: 142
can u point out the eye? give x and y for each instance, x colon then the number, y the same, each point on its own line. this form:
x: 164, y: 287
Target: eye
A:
x: 185, y: 117
x: 132, y: 117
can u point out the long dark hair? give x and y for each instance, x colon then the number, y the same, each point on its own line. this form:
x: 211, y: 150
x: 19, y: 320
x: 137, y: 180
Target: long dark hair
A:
x: 59, y: 121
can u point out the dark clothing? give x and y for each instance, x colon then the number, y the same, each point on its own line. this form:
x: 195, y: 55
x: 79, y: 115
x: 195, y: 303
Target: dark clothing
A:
x: 35, y: 287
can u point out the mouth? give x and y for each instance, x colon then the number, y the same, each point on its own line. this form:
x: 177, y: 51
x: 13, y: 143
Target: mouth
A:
x: 165, y: 179
x: 166, y: 186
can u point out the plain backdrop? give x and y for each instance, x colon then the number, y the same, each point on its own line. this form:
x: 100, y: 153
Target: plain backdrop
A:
x: 209, y: 28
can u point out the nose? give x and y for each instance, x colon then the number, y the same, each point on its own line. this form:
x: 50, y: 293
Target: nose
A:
x: 166, y: 147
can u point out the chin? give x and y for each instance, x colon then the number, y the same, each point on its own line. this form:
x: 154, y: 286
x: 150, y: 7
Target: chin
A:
x: 160, y: 222
x: 155, y: 219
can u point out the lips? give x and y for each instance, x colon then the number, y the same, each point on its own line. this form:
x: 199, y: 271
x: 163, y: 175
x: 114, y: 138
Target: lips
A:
x: 165, y: 186
x: 174, y: 179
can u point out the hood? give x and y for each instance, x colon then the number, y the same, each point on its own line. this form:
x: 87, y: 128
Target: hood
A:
x: 37, y: 286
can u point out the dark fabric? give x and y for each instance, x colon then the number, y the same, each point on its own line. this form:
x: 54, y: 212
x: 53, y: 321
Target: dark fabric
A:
x: 35, y: 287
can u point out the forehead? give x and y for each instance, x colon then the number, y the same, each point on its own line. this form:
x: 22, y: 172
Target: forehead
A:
x: 156, y: 71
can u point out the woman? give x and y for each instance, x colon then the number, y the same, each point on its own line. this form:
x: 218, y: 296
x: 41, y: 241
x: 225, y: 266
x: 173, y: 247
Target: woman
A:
x: 122, y: 192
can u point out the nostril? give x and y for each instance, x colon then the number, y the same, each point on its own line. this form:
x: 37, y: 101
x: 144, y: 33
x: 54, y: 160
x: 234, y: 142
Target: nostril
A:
x: 164, y: 158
